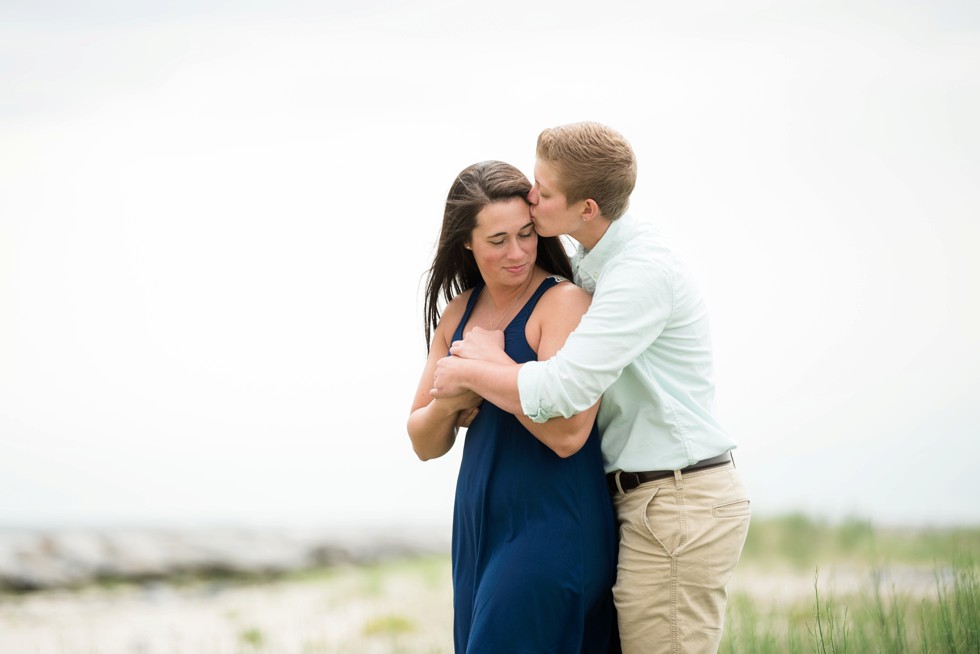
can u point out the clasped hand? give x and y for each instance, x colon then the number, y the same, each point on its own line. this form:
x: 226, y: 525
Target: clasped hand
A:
x: 479, y: 344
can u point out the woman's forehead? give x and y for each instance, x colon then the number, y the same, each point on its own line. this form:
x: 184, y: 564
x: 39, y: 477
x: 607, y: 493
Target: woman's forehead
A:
x: 505, y: 216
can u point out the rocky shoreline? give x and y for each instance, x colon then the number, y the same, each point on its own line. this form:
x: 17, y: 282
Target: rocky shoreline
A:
x: 46, y: 559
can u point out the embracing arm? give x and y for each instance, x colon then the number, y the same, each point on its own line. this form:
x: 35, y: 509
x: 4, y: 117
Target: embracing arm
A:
x: 492, y: 372
x: 627, y: 314
x: 629, y: 311
x: 433, y: 422
x: 560, y: 314
x: 481, y: 365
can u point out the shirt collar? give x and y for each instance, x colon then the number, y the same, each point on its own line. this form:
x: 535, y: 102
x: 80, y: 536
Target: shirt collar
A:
x: 589, y: 264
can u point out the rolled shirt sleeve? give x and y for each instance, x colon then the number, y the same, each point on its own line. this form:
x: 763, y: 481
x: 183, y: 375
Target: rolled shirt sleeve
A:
x: 633, y: 302
x: 644, y: 346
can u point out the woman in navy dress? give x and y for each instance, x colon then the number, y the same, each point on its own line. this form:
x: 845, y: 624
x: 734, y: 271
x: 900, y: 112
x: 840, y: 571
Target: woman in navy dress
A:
x: 534, y: 534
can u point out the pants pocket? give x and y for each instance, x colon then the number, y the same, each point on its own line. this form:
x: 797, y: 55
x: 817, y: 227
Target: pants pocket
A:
x: 662, y: 518
x: 731, y: 509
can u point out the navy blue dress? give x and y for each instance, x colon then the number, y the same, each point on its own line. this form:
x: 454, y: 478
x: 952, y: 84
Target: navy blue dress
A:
x: 534, y: 535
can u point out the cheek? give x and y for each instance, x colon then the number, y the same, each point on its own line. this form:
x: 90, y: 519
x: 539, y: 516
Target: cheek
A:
x: 487, y: 259
x: 480, y: 258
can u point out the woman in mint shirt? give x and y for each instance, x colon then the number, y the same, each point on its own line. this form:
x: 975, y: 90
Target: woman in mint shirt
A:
x: 643, y: 347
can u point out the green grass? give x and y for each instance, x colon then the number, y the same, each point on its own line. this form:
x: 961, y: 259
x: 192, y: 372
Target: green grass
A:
x: 806, y: 542
x: 389, y: 625
x: 890, y: 622
x: 252, y: 637
x: 882, y: 615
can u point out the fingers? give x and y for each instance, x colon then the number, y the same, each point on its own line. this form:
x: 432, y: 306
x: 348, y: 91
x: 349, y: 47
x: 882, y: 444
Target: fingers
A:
x: 442, y: 393
x: 466, y: 418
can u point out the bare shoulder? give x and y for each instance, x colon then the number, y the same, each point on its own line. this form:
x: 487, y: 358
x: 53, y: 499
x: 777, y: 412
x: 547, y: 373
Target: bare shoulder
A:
x: 456, y: 307
x: 565, y: 296
x: 451, y: 316
x: 560, y: 307
x: 559, y: 311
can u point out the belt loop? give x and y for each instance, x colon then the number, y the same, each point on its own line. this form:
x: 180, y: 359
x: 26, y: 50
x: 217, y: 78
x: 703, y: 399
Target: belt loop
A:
x: 619, y: 483
x: 678, y: 479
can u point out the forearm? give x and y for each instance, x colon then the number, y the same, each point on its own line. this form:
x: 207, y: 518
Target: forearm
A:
x: 565, y: 436
x: 629, y: 311
x: 495, y: 382
x: 432, y: 429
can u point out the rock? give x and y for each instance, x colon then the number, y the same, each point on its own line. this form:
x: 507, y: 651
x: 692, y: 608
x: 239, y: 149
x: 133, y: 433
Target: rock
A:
x: 45, y: 559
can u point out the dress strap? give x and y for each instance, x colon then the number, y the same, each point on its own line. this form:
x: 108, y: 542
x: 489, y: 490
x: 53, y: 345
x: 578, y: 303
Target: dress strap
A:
x: 522, y: 315
x: 525, y: 312
x: 470, y: 303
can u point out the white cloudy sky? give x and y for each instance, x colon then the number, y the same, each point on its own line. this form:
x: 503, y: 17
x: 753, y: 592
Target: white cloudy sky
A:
x: 215, y: 217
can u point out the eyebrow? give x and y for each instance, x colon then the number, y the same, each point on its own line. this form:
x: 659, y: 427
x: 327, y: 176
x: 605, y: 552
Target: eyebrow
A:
x: 499, y: 234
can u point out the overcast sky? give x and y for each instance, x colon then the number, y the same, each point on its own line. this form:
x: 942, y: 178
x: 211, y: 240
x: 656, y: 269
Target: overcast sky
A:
x: 215, y: 219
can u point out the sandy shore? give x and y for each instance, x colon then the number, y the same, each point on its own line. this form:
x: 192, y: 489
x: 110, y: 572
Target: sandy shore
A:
x: 406, y: 609
x: 398, y: 607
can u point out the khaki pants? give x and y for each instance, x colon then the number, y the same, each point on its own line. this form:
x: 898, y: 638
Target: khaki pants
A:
x: 680, y: 539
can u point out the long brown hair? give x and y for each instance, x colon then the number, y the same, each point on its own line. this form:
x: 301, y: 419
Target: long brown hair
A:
x: 453, y: 268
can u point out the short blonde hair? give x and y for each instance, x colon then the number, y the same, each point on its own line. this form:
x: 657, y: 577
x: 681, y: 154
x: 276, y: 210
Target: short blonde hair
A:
x: 593, y: 162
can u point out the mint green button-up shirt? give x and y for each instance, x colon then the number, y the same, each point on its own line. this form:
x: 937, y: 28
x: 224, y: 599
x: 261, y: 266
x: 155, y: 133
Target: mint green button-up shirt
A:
x: 644, y: 347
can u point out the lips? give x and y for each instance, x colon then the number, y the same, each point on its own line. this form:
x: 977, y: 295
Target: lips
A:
x: 515, y: 270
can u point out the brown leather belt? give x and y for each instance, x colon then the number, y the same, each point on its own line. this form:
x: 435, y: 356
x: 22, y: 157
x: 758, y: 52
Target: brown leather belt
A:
x: 627, y: 481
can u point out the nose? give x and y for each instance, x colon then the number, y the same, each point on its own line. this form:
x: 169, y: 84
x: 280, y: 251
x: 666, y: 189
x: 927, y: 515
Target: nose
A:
x: 532, y: 195
x: 514, y: 250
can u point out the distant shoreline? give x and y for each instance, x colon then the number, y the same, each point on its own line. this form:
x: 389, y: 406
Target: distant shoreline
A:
x: 33, y: 559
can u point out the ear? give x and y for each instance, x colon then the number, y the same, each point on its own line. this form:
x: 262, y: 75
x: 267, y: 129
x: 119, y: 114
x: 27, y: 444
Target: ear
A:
x: 467, y: 245
x: 590, y: 211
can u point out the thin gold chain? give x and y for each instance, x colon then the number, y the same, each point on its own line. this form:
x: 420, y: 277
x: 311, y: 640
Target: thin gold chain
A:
x: 509, y: 306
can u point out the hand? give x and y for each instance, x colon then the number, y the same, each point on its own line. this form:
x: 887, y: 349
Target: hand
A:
x: 447, y: 381
x: 466, y: 417
x: 465, y: 405
x: 481, y: 344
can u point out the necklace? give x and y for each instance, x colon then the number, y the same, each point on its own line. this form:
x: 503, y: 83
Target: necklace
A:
x: 509, y: 306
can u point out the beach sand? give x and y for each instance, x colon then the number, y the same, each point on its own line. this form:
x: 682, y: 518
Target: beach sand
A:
x: 403, y: 607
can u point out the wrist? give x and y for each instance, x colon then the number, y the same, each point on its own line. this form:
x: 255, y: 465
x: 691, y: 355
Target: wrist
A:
x: 470, y: 374
x: 445, y: 406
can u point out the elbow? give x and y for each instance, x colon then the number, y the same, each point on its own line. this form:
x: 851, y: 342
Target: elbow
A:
x: 424, y: 455
x: 424, y: 451
x: 570, y: 446
x: 574, y: 434
x: 428, y: 446
x: 420, y: 443
x: 566, y: 452
x: 420, y: 453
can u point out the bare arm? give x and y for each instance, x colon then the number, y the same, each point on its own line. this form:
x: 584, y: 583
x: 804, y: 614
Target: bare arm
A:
x: 433, y: 422
x: 481, y: 368
x: 479, y: 362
